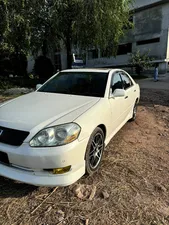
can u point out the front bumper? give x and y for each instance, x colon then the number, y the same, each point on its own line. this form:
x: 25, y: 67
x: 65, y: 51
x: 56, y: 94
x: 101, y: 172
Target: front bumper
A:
x: 28, y: 164
x: 43, y: 178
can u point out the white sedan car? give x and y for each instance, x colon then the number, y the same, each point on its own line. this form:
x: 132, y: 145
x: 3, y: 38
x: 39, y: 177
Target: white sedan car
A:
x: 55, y: 135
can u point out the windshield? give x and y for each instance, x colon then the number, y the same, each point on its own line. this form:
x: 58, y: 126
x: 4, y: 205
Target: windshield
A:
x: 77, y: 83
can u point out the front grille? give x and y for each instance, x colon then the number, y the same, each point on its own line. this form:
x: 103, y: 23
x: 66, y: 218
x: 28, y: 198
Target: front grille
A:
x: 12, y: 137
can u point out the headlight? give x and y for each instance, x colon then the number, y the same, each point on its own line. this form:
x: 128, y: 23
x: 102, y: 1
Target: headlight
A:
x: 56, y: 136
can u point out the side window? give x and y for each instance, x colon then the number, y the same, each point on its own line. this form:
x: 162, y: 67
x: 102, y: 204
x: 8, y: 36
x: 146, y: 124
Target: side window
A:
x: 126, y: 81
x: 116, y: 82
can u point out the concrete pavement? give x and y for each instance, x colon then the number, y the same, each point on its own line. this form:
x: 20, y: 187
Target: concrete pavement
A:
x: 148, y: 83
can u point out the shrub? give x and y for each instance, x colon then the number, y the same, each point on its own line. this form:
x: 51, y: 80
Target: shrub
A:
x: 13, y: 63
x: 43, y: 67
x: 140, y: 61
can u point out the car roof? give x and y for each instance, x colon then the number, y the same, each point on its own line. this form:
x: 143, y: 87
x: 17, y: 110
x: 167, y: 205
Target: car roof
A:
x: 102, y: 70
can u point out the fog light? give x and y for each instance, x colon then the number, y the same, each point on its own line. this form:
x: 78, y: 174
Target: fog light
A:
x: 61, y: 170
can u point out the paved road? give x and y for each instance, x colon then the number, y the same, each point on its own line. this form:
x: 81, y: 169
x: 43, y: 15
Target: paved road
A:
x: 162, y: 84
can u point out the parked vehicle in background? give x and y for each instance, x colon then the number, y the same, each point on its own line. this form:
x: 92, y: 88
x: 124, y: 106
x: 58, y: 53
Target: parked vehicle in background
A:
x: 55, y: 135
x: 78, y: 62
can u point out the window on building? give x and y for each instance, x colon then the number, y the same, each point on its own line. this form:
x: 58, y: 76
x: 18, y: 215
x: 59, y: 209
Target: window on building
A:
x: 149, y: 41
x: 131, y: 20
x: 93, y: 54
x: 104, y: 53
x: 124, y: 49
x: 107, y: 52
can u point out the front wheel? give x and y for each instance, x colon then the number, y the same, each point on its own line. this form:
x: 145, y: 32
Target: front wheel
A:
x: 94, y: 151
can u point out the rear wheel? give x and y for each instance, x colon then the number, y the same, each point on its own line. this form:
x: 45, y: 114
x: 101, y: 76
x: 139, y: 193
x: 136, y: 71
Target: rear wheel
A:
x: 94, y: 151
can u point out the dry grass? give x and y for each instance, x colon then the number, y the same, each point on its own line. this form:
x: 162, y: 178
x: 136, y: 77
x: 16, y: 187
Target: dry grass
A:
x: 134, y: 172
x: 4, y: 98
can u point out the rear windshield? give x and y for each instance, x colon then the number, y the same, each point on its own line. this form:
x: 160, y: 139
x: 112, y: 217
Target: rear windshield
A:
x: 77, y: 83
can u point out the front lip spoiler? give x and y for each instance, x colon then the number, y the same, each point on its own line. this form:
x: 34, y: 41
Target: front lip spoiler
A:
x: 42, y: 179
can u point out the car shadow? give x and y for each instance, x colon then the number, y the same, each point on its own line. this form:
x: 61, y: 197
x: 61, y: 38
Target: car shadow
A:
x: 14, y: 189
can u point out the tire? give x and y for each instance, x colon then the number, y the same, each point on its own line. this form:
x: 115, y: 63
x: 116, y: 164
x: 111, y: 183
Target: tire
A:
x: 134, y: 112
x: 94, y: 153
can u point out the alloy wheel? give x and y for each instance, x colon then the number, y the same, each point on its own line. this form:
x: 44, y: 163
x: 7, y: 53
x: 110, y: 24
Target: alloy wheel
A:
x: 96, y: 150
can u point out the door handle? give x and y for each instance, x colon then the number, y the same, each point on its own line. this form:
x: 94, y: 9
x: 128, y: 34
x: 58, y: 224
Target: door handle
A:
x: 134, y: 90
x: 126, y: 97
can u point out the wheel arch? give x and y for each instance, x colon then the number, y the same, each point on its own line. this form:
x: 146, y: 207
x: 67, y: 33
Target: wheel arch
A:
x: 103, y: 127
x: 137, y: 100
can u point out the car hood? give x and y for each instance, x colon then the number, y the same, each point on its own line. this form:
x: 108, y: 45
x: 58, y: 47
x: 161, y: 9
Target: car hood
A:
x: 39, y: 110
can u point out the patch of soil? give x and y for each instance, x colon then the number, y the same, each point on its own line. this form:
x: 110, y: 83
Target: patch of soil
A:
x: 131, y: 186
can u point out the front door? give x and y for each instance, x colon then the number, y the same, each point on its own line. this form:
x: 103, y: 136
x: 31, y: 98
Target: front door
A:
x: 118, y: 104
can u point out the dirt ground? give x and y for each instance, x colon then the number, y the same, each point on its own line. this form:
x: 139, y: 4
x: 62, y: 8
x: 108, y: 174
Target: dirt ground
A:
x: 130, y: 188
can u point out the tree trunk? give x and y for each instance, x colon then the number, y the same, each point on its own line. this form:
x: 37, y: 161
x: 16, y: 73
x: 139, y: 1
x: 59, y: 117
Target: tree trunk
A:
x: 45, y: 48
x: 69, y: 51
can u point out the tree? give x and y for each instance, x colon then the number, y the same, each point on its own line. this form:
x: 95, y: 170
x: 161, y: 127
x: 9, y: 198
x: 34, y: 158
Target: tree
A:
x: 3, y: 18
x: 15, y: 39
x: 140, y: 61
x: 34, y: 25
x: 43, y: 34
x: 15, y: 34
x: 90, y: 23
x: 23, y: 30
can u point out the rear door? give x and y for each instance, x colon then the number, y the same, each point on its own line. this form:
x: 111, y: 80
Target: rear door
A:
x: 130, y: 89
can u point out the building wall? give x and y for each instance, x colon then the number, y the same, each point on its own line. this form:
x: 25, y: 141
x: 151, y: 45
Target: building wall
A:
x: 150, y: 23
x: 168, y: 47
x: 63, y: 59
x: 31, y: 63
x: 109, y: 61
x: 153, y: 23
x: 141, y: 3
x: 165, y: 27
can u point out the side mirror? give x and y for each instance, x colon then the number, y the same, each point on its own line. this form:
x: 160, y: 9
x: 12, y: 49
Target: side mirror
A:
x: 119, y: 93
x: 38, y: 86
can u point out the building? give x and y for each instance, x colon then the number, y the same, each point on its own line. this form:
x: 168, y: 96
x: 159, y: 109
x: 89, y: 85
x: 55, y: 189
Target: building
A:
x: 151, y: 32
